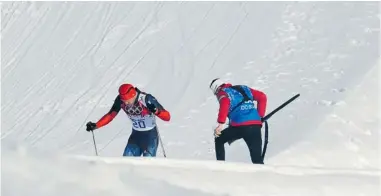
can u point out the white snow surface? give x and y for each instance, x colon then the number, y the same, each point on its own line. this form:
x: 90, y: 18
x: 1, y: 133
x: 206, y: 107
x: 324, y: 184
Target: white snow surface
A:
x: 62, y: 63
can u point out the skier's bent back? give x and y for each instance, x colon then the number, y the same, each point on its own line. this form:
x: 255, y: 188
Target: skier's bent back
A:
x: 142, y: 109
x: 245, y: 121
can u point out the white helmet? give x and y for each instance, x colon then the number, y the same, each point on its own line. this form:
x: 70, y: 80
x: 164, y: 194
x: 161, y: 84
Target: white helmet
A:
x: 215, y: 84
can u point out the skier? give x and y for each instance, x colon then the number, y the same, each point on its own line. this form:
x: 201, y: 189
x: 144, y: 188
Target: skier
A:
x: 245, y: 121
x: 141, y: 108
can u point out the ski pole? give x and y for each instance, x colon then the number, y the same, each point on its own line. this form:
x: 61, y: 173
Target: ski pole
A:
x: 95, y: 145
x: 161, y: 142
x: 267, y: 126
x: 280, y: 107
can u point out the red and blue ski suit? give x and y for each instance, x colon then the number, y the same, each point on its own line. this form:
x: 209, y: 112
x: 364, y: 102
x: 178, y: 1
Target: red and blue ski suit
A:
x: 244, y: 114
x: 144, y: 137
x: 237, y: 104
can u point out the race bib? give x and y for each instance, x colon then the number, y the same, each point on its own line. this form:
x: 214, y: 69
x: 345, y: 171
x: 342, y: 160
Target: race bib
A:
x: 142, y: 119
x: 143, y: 123
x: 247, y: 105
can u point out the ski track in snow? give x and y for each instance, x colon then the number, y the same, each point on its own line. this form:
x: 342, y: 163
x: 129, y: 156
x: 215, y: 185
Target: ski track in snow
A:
x: 62, y: 63
x: 188, y: 88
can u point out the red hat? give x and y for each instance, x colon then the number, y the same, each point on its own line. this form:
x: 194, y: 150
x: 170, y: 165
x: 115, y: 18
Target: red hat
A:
x: 126, y: 92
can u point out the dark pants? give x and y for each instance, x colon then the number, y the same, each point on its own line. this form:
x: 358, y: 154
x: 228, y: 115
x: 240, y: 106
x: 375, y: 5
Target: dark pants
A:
x: 251, y: 134
x: 142, y: 142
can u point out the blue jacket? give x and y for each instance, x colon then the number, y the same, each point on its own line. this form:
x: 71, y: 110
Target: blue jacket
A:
x: 241, y: 113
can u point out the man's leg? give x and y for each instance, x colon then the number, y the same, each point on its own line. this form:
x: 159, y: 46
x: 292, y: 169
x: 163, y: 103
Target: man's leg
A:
x: 151, y: 144
x: 227, y: 134
x: 253, y: 138
x: 132, y: 149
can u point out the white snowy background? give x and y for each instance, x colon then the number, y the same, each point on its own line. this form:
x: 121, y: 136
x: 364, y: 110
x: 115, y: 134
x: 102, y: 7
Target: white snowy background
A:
x: 62, y: 63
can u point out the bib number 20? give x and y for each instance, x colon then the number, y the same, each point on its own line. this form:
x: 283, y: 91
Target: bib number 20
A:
x: 139, y: 124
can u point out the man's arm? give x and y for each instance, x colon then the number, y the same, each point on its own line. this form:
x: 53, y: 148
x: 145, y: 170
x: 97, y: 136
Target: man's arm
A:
x: 107, y: 118
x: 223, y: 110
x: 261, y: 99
x: 155, y: 107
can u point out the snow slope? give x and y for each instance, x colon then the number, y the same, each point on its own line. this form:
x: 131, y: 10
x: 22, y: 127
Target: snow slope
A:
x: 351, y: 132
x: 62, y: 63
x: 115, y: 176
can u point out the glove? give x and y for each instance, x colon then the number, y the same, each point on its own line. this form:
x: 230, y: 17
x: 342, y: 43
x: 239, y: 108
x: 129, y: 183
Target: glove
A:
x: 151, y: 107
x: 90, y: 126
